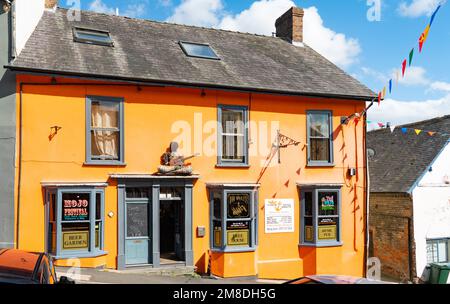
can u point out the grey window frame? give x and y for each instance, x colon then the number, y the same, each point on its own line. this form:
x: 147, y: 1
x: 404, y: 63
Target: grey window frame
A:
x: 447, y: 249
x: 92, y: 251
x: 226, y: 162
x: 314, y: 163
x: 182, y: 43
x: 108, y: 162
x: 315, y: 193
x: 78, y: 38
x: 253, y: 235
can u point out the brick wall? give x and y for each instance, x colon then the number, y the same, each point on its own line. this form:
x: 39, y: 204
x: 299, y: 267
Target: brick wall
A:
x: 391, y: 231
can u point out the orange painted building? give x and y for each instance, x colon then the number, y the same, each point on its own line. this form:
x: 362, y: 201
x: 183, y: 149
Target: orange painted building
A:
x: 278, y: 187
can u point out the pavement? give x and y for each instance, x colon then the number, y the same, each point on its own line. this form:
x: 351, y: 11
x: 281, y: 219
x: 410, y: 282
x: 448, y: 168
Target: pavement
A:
x: 107, y: 276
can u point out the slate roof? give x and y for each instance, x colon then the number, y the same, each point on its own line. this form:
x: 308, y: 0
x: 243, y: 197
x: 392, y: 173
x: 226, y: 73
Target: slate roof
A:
x: 149, y: 51
x: 401, y: 159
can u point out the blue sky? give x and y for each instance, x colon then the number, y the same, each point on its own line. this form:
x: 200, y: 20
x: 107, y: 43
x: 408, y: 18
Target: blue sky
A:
x: 341, y: 31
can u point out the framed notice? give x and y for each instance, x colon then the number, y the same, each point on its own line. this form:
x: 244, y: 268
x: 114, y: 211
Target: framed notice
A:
x: 328, y: 232
x: 279, y: 215
x: 76, y: 240
x: 238, y: 238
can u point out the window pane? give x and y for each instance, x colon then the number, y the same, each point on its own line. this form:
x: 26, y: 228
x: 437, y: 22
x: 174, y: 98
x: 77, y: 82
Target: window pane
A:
x: 105, y: 114
x: 442, y: 251
x: 327, y: 229
x: 52, y: 237
x: 137, y: 220
x: 217, y: 205
x: 217, y: 233
x: 75, y: 236
x: 432, y: 251
x: 52, y: 208
x: 199, y: 50
x: 98, y: 206
x: 319, y: 125
x: 98, y: 229
x: 105, y: 144
x: 94, y: 36
x: 320, y: 150
x: 308, y: 203
x: 137, y: 193
x: 233, y: 121
x: 327, y: 203
x: 233, y: 148
x: 75, y: 206
x: 238, y: 233
x: 308, y: 229
x: 238, y: 205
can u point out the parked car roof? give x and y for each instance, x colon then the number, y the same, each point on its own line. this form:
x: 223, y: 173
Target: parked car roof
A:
x: 149, y: 51
x: 18, y: 264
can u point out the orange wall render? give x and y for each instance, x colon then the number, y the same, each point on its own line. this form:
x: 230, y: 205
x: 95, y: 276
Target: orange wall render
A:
x: 150, y: 114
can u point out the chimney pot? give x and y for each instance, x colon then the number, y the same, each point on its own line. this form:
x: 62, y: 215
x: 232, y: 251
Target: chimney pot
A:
x: 290, y: 25
x: 51, y: 3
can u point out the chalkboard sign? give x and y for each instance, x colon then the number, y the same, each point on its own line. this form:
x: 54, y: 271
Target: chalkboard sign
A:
x: 137, y: 220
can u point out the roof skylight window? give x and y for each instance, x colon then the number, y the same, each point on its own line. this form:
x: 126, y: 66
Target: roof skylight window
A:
x: 91, y: 36
x: 198, y: 50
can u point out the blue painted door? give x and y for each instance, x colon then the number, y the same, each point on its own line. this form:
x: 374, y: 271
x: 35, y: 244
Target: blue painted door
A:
x: 138, y: 232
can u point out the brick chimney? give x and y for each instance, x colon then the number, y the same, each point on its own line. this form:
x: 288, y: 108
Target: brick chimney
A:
x: 51, y: 3
x: 290, y: 25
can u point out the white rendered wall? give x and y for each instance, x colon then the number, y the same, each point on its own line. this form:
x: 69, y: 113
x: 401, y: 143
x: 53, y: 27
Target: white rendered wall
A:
x: 28, y: 14
x: 431, y: 203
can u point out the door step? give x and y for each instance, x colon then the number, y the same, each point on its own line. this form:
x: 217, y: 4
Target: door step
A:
x: 164, y: 270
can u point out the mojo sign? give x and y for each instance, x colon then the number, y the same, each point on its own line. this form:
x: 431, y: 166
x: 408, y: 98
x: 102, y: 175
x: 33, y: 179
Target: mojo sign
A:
x: 75, y: 210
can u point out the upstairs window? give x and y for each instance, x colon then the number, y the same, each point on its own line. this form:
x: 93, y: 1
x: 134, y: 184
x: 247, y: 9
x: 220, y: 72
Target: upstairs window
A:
x: 104, y: 127
x: 198, y: 50
x: 90, y: 36
x: 320, y: 138
x: 233, y: 134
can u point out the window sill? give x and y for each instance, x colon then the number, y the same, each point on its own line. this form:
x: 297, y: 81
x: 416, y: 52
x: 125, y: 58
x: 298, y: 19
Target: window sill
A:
x: 234, y: 250
x: 105, y: 164
x: 81, y: 255
x: 232, y: 165
x: 324, y: 245
x: 320, y: 165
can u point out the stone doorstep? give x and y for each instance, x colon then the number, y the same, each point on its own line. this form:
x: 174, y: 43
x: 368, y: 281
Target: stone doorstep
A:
x: 168, y: 270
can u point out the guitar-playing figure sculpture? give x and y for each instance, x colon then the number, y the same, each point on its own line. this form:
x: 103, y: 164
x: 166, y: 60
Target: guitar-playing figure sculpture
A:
x: 174, y: 163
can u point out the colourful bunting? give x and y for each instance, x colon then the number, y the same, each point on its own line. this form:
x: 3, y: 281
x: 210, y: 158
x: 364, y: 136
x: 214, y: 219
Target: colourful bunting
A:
x: 381, y: 125
x: 411, y: 55
x: 418, y: 131
x: 397, y: 76
x: 392, y: 128
x: 404, y: 130
x: 390, y: 86
x: 424, y: 37
x: 384, y: 93
x: 434, y: 15
x: 379, y: 99
x: 403, y: 68
x: 431, y: 133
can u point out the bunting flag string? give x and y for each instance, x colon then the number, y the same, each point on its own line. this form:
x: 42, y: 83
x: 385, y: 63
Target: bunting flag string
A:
x: 408, y: 62
x: 406, y: 130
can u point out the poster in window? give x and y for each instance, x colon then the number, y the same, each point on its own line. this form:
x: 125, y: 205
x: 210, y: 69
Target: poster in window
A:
x: 238, y: 238
x: 76, y: 240
x: 328, y: 232
x: 241, y: 225
x: 309, y: 234
x: 238, y: 205
x: 328, y: 203
x: 75, y: 206
x: 279, y: 215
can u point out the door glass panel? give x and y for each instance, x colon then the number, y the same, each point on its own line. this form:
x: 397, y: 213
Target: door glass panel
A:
x: 137, y: 220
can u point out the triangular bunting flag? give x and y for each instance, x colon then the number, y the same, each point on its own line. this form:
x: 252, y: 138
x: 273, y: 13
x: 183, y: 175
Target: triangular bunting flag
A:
x: 369, y: 122
x: 392, y: 128
x: 404, y: 130
x: 418, y: 131
x: 379, y: 99
x: 423, y: 37
x: 397, y: 76
x: 390, y: 86
x: 403, y: 68
x: 384, y: 93
x: 431, y: 133
x: 434, y: 15
x: 381, y: 125
x: 411, y: 55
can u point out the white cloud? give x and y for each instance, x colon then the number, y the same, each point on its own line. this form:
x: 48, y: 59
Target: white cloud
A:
x: 100, y: 7
x: 198, y: 12
x: 336, y: 47
x: 135, y: 10
x: 400, y: 112
x: 413, y: 76
x: 417, y: 8
x: 440, y: 86
x: 260, y: 18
